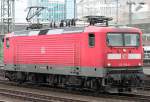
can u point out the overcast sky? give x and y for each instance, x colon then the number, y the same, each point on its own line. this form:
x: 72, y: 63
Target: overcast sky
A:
x: 20, y: 13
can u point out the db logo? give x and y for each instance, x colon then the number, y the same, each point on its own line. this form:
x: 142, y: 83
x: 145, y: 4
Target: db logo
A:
x: 42, y: 50
x: 124, y: 56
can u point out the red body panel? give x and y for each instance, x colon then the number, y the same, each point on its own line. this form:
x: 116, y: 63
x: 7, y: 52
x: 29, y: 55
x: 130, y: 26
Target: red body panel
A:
x: 69, y: 49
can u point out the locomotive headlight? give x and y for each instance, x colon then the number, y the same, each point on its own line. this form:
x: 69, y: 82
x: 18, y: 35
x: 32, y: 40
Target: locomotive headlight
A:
x: 108, y: 64
x: 139, y: 64
x: 124, y: 50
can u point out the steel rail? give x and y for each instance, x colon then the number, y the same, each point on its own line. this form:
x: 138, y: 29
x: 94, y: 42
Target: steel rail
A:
x: 30, y: 96
x: 133, y: 97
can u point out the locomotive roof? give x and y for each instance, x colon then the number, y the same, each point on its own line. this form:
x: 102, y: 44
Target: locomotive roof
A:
x: 49, y: 31
x: 70, y: 30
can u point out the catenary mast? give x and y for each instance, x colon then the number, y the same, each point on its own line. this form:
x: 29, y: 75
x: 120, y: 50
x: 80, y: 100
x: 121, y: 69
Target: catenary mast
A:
x: 7, y: 16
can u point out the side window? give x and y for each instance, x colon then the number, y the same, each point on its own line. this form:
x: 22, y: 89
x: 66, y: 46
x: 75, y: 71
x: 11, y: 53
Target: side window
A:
x: 7, y: 42
x: 91, y: 37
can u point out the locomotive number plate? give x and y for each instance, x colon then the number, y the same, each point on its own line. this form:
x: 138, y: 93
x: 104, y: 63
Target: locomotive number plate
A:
x: 124, y: 56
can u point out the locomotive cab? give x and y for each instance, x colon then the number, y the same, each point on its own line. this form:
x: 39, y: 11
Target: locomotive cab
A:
x: 124, y: 49
x: 124, y: 60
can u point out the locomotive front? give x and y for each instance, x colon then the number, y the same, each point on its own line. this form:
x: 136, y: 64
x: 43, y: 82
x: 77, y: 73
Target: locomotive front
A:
x: 124, y: 59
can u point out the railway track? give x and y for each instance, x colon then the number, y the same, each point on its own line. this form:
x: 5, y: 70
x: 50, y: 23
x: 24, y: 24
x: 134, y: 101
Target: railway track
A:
x: 45, y: 98
x: 136, y: 97
x: 29, y: 96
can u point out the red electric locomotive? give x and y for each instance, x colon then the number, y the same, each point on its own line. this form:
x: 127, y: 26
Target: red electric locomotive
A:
x: 99, y: 58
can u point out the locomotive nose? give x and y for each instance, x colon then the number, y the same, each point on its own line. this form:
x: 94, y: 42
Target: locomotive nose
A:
x: 123, y: 57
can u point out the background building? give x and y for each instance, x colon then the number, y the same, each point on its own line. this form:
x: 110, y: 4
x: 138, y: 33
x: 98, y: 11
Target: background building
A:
x: 109, y: 8
x: 140, y: 16
x: 70, y: 7
x: 55, y: 9
x: 118, y: 9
